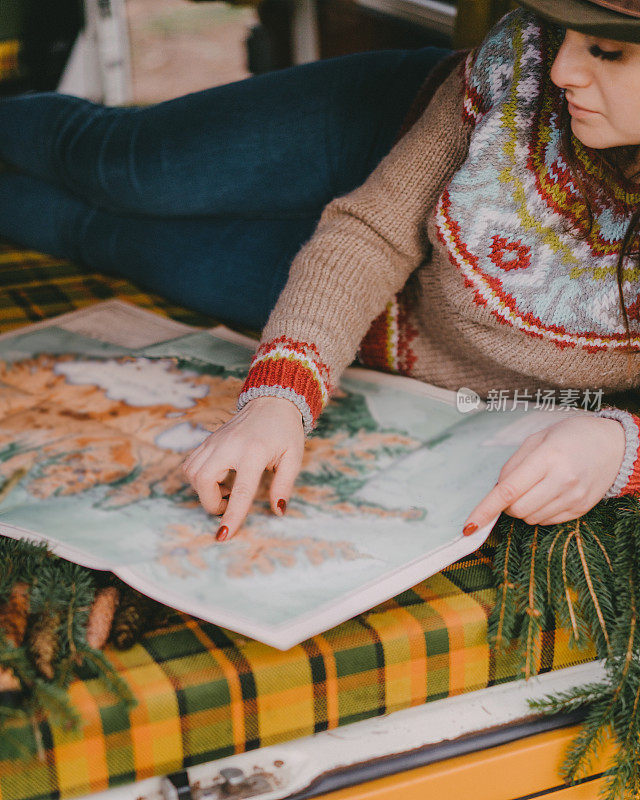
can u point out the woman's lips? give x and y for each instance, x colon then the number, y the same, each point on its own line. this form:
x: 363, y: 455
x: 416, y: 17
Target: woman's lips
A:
x: 578, y: 111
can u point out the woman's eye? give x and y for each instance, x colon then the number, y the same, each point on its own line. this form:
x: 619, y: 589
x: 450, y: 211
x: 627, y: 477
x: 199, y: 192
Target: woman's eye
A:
x: 606, y: 55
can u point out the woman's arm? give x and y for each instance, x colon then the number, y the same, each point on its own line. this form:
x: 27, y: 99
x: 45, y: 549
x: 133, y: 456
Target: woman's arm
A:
x: 366, y: 245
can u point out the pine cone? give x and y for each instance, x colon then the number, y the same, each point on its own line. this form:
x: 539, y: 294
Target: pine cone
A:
x: 44, y: 642
x: 8, y: 681
x: 130, y: 620
x: 101, y: 617
x: 14, y: 614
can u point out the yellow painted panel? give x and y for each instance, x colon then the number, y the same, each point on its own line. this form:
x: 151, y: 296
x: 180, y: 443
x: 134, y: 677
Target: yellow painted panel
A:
x: 508, y: 772
x: 585, y: 791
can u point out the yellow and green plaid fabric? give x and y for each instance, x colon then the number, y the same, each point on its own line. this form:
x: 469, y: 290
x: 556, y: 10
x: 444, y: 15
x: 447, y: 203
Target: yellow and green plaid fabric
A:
x: 34, y: 287
x: 203, y: 692
x: 9, y: 67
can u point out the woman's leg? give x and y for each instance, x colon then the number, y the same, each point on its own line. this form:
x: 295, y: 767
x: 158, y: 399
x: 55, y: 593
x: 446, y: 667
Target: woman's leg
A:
x: 248, y: 167
x: 233, y: 269
x: 282, y: 143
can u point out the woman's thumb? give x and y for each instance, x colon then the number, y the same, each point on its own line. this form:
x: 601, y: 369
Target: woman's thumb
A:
x: 283, y: 480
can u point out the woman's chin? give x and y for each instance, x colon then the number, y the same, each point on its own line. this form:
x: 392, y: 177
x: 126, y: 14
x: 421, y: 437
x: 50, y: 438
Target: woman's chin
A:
x: 588, y: 139
x: 591, y: 134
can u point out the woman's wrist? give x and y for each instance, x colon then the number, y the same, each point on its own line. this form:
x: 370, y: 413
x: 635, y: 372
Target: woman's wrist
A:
x: 627, y: 478
x: 274, y: 393
x: 292, y: 371
x: 267, y: 401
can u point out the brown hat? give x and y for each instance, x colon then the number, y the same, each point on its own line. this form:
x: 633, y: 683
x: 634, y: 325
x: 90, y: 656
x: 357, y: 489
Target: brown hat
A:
x: 610, y: 19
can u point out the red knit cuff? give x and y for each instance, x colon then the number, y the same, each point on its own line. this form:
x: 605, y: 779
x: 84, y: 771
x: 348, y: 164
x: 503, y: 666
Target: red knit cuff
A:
x: 628, y: 478
x: 292, y: 370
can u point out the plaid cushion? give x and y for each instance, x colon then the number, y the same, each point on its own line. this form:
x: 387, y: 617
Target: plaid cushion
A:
x: 204, y: 692
x: 9, y: 67
x: 34, y: 287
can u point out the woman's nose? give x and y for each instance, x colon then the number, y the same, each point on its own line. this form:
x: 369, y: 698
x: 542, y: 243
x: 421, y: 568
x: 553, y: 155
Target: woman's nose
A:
x: 571, y: 65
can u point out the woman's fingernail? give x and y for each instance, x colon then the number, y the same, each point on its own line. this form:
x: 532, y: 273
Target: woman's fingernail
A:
x: 222, y: 533
x: 469, y: 528
x: 282, y: 505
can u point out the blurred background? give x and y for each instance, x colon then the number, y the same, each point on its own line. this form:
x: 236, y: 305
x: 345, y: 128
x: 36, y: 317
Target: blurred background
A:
x: 142, y: 51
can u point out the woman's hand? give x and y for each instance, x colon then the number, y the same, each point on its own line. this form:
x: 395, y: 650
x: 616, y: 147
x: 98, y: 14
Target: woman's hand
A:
x: 266, y: 434
x: 557, y: 474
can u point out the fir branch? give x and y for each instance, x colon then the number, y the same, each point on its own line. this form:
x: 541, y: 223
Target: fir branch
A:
x: 502, y: 621
x: 624, y: 780
x: 591, y: 582
x: 588, y: 743
x: 602, y: 548
x: 549, y: 556
x: 592, y: 593
x: 48, y: 699
x: 570, y: 700
x: 533, y: 614
x: 567, y: 587
x: 42, y: 653
x: 505, y: 621
x: 21, y: 561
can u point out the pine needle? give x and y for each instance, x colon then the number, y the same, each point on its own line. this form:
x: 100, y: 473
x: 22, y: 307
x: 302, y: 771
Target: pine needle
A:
x: 592, y: 594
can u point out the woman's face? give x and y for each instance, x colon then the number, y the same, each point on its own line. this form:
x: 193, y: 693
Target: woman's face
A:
x: 601, y: 79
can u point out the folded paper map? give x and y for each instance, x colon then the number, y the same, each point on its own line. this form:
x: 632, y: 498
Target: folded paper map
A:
x: 99, y: 408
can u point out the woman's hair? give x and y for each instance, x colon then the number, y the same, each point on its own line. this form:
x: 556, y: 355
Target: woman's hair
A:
x: 616, y: 161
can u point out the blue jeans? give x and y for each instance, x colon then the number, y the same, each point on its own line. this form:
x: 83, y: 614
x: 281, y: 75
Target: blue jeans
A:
x: 204, y: 199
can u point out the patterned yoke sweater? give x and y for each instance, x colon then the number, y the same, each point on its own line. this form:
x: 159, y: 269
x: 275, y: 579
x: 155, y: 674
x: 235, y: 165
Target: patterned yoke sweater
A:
x: 465, y: 259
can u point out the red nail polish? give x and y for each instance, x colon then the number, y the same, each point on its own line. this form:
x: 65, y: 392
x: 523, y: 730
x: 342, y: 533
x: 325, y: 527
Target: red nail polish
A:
x: 222, y: 533
x: 282, y: 505
x: 469, y: 528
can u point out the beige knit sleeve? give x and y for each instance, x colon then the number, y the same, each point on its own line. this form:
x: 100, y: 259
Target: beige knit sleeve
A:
x: 364, y: 248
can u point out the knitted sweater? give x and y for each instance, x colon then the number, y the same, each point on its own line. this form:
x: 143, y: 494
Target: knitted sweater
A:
x: 464, y: 259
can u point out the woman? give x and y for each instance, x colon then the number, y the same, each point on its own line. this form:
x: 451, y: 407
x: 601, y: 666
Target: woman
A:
x: 490, y: 248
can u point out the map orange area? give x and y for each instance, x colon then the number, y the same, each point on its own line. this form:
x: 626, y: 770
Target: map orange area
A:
x: 63, y: 434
